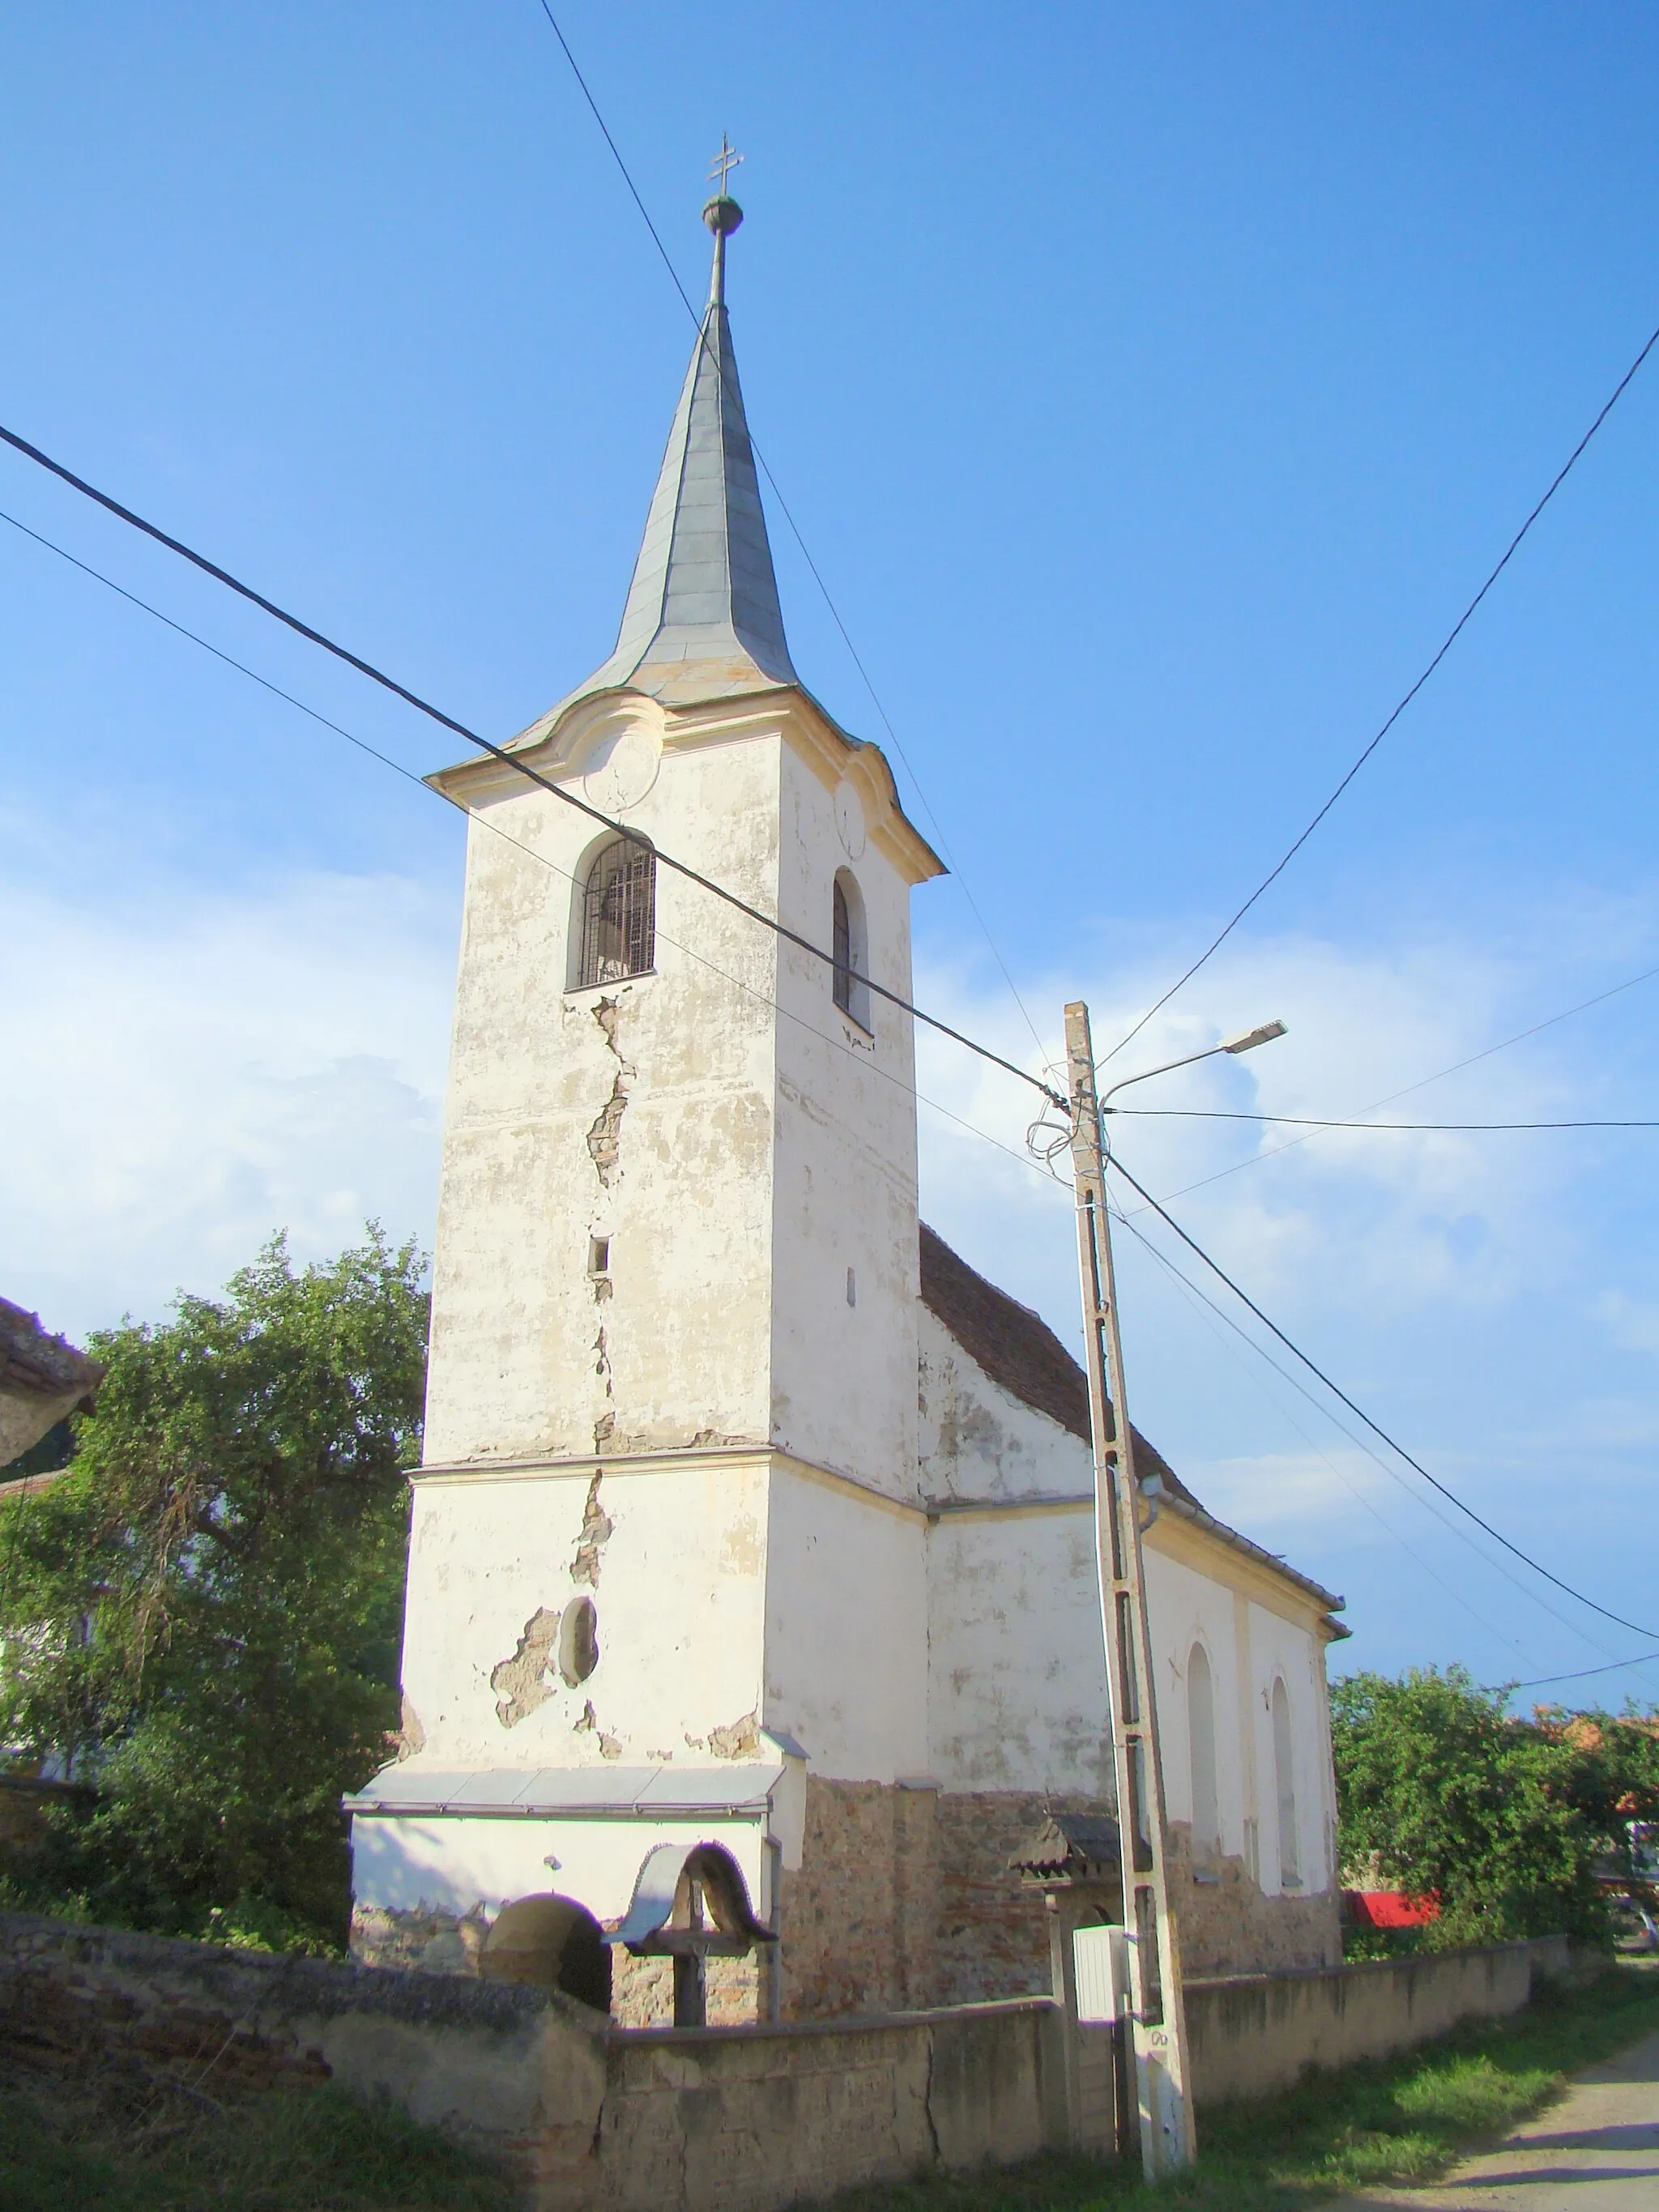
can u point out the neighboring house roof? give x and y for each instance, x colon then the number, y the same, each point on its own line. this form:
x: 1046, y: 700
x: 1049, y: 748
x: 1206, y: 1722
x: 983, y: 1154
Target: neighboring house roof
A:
x: 1021, y: 1353
x: 42, y: 1378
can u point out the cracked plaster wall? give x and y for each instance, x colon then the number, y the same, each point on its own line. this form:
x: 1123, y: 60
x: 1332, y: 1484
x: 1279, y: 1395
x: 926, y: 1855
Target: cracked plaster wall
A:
x: 674, y: 1562
x: 640, y: 1111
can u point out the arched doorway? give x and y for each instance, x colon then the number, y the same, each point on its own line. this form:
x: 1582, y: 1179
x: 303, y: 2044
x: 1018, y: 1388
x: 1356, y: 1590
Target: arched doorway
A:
x: 554, y: 1944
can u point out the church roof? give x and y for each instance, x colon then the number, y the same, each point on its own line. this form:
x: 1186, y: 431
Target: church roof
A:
x: 703, y: 619
x: 1018, y: 1351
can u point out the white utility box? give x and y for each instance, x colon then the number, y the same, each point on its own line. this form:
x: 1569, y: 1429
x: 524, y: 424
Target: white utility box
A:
x: 1100, y: 1959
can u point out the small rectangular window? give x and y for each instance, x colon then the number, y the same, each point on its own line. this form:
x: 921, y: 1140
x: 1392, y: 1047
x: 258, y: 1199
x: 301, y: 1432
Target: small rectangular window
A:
x: 599, y: 1256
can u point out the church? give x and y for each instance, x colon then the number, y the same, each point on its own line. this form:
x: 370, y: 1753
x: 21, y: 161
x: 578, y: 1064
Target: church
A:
x: 752, y: 1664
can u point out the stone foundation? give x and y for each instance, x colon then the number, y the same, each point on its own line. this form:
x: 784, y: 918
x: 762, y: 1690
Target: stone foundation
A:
x: 1228, y: 1927
x: 903, y: 1901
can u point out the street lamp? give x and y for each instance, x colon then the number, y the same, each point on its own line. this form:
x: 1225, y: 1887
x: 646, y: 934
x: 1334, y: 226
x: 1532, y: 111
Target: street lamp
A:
x: 1157, y: 2025
x: 1246, y: 1041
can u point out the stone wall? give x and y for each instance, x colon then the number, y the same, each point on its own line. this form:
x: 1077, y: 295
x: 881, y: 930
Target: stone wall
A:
x: 597, y: 2119
x: 590, y: 2118
x: 1250, y: 2035
x: 518, y: 2072
x: 1229, y: 1927
x: 770, y: 2117
x: 858, y: 1917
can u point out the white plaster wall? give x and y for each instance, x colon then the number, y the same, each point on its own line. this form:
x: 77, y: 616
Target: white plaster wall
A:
x: 846, y: 1630
x: 1184, y: 1606
x: 843, y: 1377
x: 1279, y: 1648
x: 1016, y: 1673
x: 680, y: 1600
x: 456, y: 1865
x: 977, y: 1440
x: 517, y: 1364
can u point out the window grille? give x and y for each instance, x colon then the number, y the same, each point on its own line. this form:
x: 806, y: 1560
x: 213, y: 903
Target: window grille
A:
x: 619, y: 913
x: 841, y: 950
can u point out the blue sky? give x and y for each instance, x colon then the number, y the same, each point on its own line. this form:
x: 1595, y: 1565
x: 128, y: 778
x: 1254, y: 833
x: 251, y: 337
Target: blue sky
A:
x: 1153, y: 388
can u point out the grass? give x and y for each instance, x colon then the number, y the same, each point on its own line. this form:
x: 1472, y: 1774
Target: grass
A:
x: 1393, y: 2120
x: 316, y: 2150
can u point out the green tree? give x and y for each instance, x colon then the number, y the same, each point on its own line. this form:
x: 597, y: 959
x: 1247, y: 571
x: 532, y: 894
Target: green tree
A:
x: 201, y: 1615
x: 1448, y: 1798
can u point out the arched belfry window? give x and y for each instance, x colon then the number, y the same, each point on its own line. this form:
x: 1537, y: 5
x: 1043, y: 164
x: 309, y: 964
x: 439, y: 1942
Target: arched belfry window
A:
x: 619, y: 914
x: 849, y: 946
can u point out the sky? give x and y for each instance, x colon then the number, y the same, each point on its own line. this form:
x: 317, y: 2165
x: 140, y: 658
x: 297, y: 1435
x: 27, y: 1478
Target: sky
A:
x: 1151, y: 389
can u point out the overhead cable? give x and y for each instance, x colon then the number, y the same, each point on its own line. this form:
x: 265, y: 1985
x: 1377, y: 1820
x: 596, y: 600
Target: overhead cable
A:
x: 506, y: 836
x: 499, y: 753
x: 1376, y: 1428
x: 1306, y: 1122
x: 1579, y: 1675
x: 1445, y: 646
x: 1424, y: 1081
x: 1427, y: 1504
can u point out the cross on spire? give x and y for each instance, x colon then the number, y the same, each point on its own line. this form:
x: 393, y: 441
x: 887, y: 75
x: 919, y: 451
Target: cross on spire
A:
x: 723, y: 164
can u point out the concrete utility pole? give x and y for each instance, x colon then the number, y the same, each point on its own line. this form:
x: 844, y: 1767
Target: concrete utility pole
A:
x: 1158, y: 2009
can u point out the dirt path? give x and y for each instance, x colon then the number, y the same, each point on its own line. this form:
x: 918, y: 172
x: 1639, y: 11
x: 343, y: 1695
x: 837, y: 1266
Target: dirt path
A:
x: 1597, y: 2150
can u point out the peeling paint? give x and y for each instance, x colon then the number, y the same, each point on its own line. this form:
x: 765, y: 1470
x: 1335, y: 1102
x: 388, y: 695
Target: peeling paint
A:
x: 604, y: 1429
x: 596, y: 1525
x: 604, y: 1137
x: 740, y: 1739
x: 521, y: 1681
x: 588, y: 1722
x: 411, y: 1736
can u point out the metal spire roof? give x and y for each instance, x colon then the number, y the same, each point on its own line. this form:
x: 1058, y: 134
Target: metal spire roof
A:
x: 703, y: 619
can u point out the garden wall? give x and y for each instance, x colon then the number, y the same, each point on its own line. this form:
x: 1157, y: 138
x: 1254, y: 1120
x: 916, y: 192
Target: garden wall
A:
x: 1251, y: 2034
x: 688, y: 2120
x: 672, y: 2120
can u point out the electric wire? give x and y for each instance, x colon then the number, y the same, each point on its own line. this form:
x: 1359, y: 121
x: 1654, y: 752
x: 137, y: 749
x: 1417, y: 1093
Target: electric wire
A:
x: 506, y: 836
x: 1581, y: 1673
x: 1390, y: 1128
x: 1427, y: 1503
x: 1447, y: 643
x: 1423, y: 1082
x: 499, y: 753
x: 794, y: 528
x: 1198, y: 1299
x: 1044, y: 1154
x: 1376, y: 1428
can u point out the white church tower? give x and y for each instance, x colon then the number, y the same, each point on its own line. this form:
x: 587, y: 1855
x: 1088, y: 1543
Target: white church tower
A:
x: 751, y: 1619
x: 672, y: 1395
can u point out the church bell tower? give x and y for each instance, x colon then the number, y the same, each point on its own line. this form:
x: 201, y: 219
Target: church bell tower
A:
x: 666, y: 1559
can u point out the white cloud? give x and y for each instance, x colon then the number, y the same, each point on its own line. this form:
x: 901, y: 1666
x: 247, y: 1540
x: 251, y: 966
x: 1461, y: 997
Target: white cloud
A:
x: 185, y: 1073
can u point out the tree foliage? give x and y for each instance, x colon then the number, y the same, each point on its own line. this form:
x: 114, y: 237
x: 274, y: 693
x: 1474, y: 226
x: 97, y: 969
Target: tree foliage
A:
x: 1501, y: 1820
x: 201, y: 1614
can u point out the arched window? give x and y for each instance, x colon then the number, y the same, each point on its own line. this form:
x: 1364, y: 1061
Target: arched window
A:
x: 1290, y: 1860
x: 850, y: 949
x: 1200, y: 1730
x: 619, y: 914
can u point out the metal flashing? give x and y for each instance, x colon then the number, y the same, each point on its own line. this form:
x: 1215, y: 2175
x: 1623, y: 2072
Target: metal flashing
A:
x: 568, y: 1792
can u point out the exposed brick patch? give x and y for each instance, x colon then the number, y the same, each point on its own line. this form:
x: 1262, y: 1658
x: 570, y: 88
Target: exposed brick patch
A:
x: 992, y: 1938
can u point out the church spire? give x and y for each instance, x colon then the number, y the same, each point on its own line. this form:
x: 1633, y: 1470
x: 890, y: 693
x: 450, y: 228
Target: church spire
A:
x: 703, y: 619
